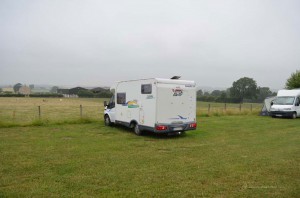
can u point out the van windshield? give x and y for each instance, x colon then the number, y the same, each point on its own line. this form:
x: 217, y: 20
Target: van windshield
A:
x: 284, y: 100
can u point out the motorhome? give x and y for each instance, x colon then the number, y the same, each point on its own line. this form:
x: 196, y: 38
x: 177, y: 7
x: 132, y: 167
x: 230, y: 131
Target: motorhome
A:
x: 286, y: 104
x: 157, y: 105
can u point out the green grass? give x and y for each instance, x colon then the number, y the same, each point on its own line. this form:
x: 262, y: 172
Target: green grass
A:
x: 227, y: 156
x: 24, y: 111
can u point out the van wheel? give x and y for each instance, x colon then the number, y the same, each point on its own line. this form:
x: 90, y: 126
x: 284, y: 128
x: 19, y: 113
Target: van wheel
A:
x: 137, y: 130
x: 294, y: 116
x: 107, y: 121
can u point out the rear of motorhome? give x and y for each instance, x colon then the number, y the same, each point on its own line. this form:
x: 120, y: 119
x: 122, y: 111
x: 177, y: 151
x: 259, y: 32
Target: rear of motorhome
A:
x: 286, y: 104
x: 156, y: 105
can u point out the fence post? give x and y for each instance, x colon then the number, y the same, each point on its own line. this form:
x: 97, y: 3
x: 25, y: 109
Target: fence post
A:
x: 225, y: 106
x: 80, y: 111
x: 240, y: 107
x: 39, y: 109
x: 251, y: 107
x: 208, y: 108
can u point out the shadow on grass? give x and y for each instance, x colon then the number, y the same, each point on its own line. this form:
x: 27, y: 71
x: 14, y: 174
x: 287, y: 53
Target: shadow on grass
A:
x: 149, y: 134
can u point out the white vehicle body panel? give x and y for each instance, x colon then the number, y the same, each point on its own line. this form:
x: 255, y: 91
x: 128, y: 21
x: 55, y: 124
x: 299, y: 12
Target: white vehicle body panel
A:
x: 171, y: 103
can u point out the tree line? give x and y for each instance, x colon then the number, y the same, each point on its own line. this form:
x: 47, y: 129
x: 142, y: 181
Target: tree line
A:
x: 238, y: 93
x: 243, y: 90
x: 246, y: 90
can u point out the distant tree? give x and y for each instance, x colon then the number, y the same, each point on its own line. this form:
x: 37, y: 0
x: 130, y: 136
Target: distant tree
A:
x: 199, y: 93
x: 263, y: 93
x: 54, y: 89
x: 17, y: 87
x: 1, y: 90
x: 31, y: 86
x: 85, y: 94
x: 244, y: 88
x: 206, y: 93
x: 223, y: 95
x: 216, y: 93
x: 293, y: 82
x: 227, y: 92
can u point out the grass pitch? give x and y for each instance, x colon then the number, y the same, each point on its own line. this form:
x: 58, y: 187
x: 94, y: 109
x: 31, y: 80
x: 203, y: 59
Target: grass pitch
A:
x: 228, y: 156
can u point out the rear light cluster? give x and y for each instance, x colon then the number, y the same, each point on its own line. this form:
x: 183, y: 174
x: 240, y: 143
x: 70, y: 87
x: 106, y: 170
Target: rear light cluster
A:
x: 193, y: 125
x: 161, y: 127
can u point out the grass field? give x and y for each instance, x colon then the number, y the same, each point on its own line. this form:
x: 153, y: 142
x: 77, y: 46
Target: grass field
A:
x: 25, y: 111
x: 227, y: 156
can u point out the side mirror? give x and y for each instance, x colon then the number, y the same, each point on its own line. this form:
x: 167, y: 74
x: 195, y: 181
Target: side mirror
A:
x: 297, y: 104
x: 272, y: 103
x: 105, y: 103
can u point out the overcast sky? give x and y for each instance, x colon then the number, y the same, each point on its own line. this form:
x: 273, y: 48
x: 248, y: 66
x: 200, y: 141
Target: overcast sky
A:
x: 95, y: 42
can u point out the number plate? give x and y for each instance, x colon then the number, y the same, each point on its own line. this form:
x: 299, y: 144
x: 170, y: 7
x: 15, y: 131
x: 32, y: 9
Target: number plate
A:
x: 177, y: 129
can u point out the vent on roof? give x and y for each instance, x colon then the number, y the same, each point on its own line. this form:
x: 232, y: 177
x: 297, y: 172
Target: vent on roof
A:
x: 175, y: 77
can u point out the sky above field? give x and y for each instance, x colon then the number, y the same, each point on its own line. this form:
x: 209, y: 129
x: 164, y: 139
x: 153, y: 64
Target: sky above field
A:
x: 98, y: 42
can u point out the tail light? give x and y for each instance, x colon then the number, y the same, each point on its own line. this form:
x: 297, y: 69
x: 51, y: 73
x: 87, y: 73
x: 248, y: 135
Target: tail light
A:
x: 193, y: 125
x: 161, y: 127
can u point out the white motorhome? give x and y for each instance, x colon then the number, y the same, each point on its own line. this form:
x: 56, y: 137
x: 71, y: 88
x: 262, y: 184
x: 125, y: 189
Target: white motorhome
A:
x: 286, y: 104
x: 156, y: 105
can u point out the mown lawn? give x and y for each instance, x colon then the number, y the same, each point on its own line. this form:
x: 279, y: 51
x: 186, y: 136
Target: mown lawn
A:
x: 227, y: 156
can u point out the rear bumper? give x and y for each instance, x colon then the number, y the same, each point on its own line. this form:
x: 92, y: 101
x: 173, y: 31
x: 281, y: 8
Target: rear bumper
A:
x: 170, y: 128
x: 281, y: 113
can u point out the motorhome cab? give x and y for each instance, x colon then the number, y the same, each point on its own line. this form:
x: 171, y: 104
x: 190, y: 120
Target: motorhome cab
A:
x: 156, y: 105
x: 286, y: 104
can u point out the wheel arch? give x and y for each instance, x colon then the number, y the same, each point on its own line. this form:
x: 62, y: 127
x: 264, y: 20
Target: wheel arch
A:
x: 133, y: 123
x: 106, y: 114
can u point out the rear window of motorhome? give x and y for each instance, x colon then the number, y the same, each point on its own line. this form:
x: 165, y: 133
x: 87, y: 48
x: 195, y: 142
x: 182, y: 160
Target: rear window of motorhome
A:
x: 121, y: 98
x: 146, y: 89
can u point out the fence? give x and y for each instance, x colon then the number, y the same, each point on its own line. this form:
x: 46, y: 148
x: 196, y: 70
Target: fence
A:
x: 23, y: 115
x: 26, y: 110
x: 227, y: 108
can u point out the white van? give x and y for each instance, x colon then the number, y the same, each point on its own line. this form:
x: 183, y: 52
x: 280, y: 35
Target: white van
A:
x: 156, y: 105
x: 286, y: 104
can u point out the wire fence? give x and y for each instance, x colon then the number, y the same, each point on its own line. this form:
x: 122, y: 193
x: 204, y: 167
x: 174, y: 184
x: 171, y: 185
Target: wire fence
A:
x: 22, y: 111
x: 26, y: 110
x: 23, y: 115
x: 228, y: 108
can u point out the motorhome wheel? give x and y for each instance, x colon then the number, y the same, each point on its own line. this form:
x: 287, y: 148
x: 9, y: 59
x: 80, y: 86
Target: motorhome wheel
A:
x: 107, y: 121
x: 137, y: 130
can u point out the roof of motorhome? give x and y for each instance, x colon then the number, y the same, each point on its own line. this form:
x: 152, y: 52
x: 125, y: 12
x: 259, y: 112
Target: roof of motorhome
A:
x: 163, y: 80
x: 285, y: 92
x: 159, y: 80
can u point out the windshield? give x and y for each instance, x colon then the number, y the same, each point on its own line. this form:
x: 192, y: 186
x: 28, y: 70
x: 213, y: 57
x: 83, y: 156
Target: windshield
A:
x: 284, y: 100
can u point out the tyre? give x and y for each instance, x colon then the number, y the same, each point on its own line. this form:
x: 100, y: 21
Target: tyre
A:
x: 137, y: 130
x: 107, y: 120
x: 294, y: 115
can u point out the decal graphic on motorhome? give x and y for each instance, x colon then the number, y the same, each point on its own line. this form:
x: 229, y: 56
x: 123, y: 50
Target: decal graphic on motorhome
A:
x: 178, y: 118
x: 132, y: 104
x: 177, y: 91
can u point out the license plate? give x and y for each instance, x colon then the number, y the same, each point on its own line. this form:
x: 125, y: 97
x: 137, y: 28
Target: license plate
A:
x: 278, y: 115
x: 177, y: 128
